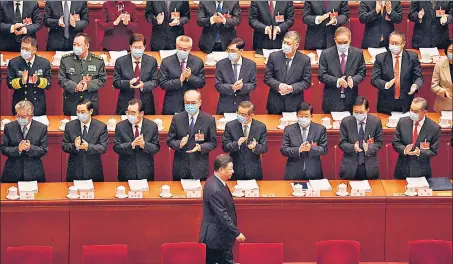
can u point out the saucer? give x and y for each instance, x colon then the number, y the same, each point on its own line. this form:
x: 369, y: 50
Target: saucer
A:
x: 238, y: 194
x: 298, y: 194
x: 390, y: 126
x: 342, y: 194
x: 166, y: 196
x: 410, y: 194
x: 12, y: 197
x: 426, y: 61
x: 121, y: 197
x: 72, y: 197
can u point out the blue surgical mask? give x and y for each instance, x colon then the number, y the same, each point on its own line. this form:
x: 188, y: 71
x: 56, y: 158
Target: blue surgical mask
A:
x: 77, y: 50
x: 137, y: 53
x: 182, y: 55
x: 342, y: 48
x: 450, y: 56
x: 22, y: 121
x: 304, y: 121
x: 286, y: 48
x: 25, y: 54
x: 83, y: 117
x: 242, y: 119
x: 395, y: 49
x: 415, y: 117
x: 192, y: 109
x: 359, y: 117
x: 132, y: 119
x: 233, y: 56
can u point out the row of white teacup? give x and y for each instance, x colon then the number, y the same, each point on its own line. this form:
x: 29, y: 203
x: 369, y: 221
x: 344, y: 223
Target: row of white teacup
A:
x: 120, y: 192
x: 392, y: 121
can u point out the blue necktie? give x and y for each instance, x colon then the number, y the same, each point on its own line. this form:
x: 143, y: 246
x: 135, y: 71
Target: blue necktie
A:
x: 219, y: 10
x: 361, y: 139
x: 192, y: 125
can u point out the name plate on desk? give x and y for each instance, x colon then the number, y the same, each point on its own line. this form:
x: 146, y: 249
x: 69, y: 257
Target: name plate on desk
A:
x: 86, y: 195
x: 425, y: 192
x: 26, y: 195
x: 312, y: 193
x: 252, y: 193
x: 193, y: 193
x: 135, y: 194
x: 357, y: 192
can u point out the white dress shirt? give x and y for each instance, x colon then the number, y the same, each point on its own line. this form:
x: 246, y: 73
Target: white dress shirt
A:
x: 134, y: 64
x: 239, y: 65
x: 345, y: 61
x: 249, y: 125
x: 364, y: 125
x: 194, y: 118
x: 224, y: 183
x: 420, y: 125
x: 69, y: 5
x: 27, y: 126
x: 290, y: 61
x: 302, y: 133
x: 83, y: 124
x: 139, y: 127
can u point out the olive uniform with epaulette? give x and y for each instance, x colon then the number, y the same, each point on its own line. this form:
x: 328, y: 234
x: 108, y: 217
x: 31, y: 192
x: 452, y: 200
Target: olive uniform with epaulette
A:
x: 33, y: 92
x: 72, y: 71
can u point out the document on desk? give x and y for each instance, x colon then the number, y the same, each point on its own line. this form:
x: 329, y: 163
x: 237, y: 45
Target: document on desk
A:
x: 338, y: 116
x: 360, y: 185
x: 190, y: 185
x: 42, y: 119
x: 322, y: 185
x: 230, y: 116
x: 289, y: 115
x: 417, y: 182
x: 166, y: 53
x: 447, y: 114
x: 248, y: 184
x: 375, y: 51
x: 319, y: 51
x: 138, y: 185
x: 85, y: 185
x: 28, y: 186
x: 430, y: 51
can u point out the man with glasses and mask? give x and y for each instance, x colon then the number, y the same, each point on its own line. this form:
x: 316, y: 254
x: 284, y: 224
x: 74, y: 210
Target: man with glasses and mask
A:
x: 288, y: 74
x: 24, y: 142
x: 81, y: 75
x: 136, y: 77
x: 235, y: 78
x: 397, y: 74
x: 303, y: 144
x: 416, y: 140
x: 29, y: 76
x: 85, y: 140
x: 341, y: 69
x: 179, y: 73
x: 360, y: 140
x: 245, y: 139
x: 136, y: 141
x: 192, y: 135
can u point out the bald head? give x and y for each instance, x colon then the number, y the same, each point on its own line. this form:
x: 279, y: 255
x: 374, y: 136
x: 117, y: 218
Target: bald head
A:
x: 192, y: 97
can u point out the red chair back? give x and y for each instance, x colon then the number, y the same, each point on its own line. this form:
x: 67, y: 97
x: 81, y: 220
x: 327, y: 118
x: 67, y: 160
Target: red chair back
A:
x: 409, y: 33
x: 358, y: 30
x: 337, y: 160
x: 187, y: 253
x: 28, y: 255
x: 105, y: 254
x: 391, y: 157
x: 337, y: 252
x: 430, y: 252
x: 450, y: 164
x: 99, y: 34
x: 261, y: 253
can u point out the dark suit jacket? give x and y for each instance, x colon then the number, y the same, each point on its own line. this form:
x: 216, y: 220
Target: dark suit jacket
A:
x: 194, y: 165
x: 349, y: 135
x: 124, y: 72
x: 52, y: 13
x: 224, y: 78
x: 292, y: 139
x: 163, y: 36
x: 138, y: 163
x: 31, y: 92
x: 206, y: 9
x: 85, y: 164
x: 299, y: 76
x: 117, y: 37
x: 247, y: 163
x: 329, y: 72
x: 413, y: 166
x: 25, y: 165
x: 411, y: 72
x: 376, y: 25
x: 30, y: 9
x: 219, y: 221
x: 260, y: 17
x: 170, y: 71
x: 430, y: 33
x: 321, y: 36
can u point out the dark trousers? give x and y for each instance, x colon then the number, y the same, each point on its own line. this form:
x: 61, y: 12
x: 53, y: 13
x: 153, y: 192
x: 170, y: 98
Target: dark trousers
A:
x: 219, y: 256
x: 360, y: 173
x: 218, y: 47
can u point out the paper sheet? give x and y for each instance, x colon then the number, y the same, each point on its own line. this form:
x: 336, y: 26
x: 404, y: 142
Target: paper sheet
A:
x: 73, y: 118
x: 42, y: 119
x: 248, y: 184
x: 447, y: 114
x: 190, y: 184
x: 138, y: 185
x: 28, y: 186
x: 218, y: 55
x: 338, y: 116
x: 84, y: 185
x: 230, y: 116
x: 267, y: 52
x: 430, y: 51
x: 322, y: 185
x: 360, y: 185
x: 417, y: 182
x: 289, y: 115
x: 166, y: 53
x: 375, y: 51
x: 319, y: 51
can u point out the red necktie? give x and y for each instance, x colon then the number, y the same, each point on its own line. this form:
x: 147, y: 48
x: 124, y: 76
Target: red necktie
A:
x: 137, y: 75
x: 415, y: 134
x: 396, y: 73
x: 183, y: 65
x: 343, y: 67
x: 271, y: 7
x: 137, y: 134
x: 326, y: 5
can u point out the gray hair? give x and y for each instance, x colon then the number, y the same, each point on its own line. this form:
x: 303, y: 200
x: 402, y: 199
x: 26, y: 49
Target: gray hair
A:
x: 25, y: 105
x: 294, y: 35
x: 184, y: 39
x: 248, y: 105
x: 422, y: 100
x: 399, y: 34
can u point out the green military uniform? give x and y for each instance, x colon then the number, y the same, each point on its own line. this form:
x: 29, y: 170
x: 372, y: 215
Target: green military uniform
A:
x: 72, y: 71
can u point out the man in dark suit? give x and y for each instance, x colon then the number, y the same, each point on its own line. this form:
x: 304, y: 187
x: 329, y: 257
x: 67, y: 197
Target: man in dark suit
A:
x: 287, y: 75
x: 379, y: 20
x: 178, y: 74
x: 360, y: 140
x: 397, y: 74
x: 304, y: 143
x: 245, y: 139
x: 219, y: 223
x: 192, y: 135
x: 168, y: 19
x: 218, y: 20
x: 136, y: 76
x: 416, y: 140
x: 341, y: 70
x: 65, y: 19
x: 17, y: 20
x: 29, y: 76
x: 235, y: 78
x: 85, y: 140
x: 136, y: 141
x: 322, y: 19
x: 431, y: 20
x: 270, y: 21
x: 24, y: 142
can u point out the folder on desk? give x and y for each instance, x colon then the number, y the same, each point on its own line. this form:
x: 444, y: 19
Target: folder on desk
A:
x: 440, y: 184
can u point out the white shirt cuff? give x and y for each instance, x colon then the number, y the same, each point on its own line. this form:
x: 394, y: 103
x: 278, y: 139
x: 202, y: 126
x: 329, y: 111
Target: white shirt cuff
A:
x: 318, y: 20
x: 11, y: 29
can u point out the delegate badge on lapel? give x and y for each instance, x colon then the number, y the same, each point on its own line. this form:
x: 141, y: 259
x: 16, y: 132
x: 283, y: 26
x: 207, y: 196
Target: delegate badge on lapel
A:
x: 279, y: 18
x: 27, y: 21
x: 314, y: 144
x: 175, y: 14
x: 87, y: 78
x: 199, y: 136
x: 440, y: 13
x: 425, y: 145
x: 370, y: 140
x: 227, y: 15
x: 92, y: 68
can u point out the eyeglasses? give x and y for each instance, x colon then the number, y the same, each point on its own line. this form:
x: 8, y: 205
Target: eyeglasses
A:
x: 242, y: 114
x: 130, y: 113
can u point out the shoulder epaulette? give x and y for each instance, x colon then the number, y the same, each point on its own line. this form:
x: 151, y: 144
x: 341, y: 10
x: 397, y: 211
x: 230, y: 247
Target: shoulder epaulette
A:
x: 68, y: 55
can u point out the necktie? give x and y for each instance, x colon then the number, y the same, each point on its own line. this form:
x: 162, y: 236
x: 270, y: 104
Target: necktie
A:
x: 396, y: 73
x: 415, y: 134
x: 326, y: 6
x: 85, y: 132
x: 288, y: 66
x: 246, y: 131
x: 17, y: 14
x: 137, y: 134
x: 361, y: 139
x: 304, y: 134
x: 183, y: 65
x: 25, y: 132
x: 434, y: 4
x: 235, y: 71
x: 228, y: 189
x: 29, y: 64
x: 137, y: 74
x: 192, y: 125
x: 271, y: 7
x: 219, y: 10
x: 168, y: 6
x: 343, y: 63
x: 66, y: 19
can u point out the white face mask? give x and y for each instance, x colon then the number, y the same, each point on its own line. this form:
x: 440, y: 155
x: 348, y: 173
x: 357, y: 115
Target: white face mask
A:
x: 287, y: 49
